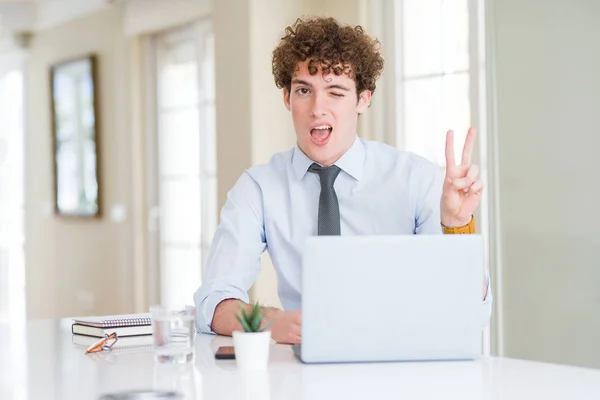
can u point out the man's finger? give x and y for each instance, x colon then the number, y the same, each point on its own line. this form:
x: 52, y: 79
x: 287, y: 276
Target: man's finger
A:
x: 473, y: 172
x: 298, y: 316
x: 469, y: 146
x: 476, y: 188
x: 450, y: 149
x: 462, y: 183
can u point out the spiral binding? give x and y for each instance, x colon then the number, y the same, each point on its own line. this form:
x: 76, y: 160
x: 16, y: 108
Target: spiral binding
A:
x: 126, y: 322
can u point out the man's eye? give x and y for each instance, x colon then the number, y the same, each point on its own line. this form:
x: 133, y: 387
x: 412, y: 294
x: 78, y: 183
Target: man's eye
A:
x: 302, y: 91
x: 337, y: 94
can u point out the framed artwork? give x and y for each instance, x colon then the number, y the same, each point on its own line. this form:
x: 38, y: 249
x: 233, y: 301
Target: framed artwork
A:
x: 74, y: 110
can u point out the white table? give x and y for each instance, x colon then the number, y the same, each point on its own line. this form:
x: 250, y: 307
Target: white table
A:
x: 43, y: 363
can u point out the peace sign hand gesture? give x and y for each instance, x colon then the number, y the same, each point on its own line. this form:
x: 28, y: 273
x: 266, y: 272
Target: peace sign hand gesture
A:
x: 462, y: 189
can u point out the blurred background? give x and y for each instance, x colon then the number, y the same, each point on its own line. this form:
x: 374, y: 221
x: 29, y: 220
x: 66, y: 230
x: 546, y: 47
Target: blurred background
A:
x: 123, y: 124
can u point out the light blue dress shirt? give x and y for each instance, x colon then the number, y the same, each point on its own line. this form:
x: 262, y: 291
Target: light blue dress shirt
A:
x: 274, y: 207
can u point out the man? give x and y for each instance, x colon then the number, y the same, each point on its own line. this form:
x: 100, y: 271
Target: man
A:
x: 330, y: 183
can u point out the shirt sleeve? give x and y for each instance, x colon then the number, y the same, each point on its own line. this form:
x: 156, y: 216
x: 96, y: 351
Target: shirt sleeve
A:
x: 234, y: 259
x: 426, y: 185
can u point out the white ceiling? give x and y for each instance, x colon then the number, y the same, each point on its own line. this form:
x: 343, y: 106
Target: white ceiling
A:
x: 32, y: 15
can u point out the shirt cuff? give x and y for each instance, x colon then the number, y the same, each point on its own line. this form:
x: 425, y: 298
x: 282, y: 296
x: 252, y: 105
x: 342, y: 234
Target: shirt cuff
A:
x: 468, y: 228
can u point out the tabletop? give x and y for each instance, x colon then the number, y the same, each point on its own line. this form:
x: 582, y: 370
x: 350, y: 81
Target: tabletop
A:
x: 38, y: 360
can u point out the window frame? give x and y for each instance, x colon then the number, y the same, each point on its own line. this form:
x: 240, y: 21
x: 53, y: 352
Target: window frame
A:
x: 199, y: 31
x: 387, y: 121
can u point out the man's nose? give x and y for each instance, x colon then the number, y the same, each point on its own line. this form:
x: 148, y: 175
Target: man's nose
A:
x: 319, y: 105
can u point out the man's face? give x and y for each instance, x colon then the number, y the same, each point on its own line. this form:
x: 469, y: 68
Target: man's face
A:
x: 325, y: 111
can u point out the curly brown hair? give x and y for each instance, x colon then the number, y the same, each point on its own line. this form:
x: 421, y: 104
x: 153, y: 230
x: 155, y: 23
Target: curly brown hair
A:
x: 331, y: 46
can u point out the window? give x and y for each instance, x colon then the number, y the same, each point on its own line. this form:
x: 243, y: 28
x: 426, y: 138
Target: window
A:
x: 186, y: 176
x: 434, y: 78
x: 12, y: 235
x: 12, y: 211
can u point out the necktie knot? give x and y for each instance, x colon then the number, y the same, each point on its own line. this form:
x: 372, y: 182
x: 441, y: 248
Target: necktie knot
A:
x: 327, y: 175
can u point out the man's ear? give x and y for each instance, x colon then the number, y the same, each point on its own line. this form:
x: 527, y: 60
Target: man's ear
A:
x: 364, y: 101
x: 286, y: 98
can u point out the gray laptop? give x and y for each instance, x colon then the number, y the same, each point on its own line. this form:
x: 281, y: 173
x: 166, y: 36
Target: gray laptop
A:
x: 391, y: 298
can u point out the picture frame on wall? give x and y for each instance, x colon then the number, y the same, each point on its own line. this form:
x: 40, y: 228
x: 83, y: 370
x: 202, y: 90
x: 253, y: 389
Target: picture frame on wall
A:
x: 75, y: 133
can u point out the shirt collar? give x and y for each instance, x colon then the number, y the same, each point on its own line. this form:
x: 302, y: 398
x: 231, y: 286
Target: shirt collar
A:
x: 352, y: 161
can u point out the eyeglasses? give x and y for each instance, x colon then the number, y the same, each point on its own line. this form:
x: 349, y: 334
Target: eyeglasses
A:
x: 104, y: 344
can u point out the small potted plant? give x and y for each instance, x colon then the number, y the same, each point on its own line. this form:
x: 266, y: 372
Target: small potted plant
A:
x: 252, y: 344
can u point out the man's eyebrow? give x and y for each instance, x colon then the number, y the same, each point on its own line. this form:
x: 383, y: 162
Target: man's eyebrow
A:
x: 301, y: 82
x: 336, y: 86
x: 341, y: 87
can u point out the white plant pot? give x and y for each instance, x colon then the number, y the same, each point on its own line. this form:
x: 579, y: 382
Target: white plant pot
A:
x: 252, y: 349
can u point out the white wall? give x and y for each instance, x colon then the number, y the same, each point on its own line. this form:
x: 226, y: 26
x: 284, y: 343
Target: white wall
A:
x: 77, y: 266
x: 548, y: 99
x: 150, y: 16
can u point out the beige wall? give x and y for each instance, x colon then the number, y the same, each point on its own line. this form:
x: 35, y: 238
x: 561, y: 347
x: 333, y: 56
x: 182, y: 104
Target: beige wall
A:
x: 548, y: 87
x: 77, y: 266
x: 252, y: 122
x: 82, y: 267
x: 272, y: 127
x: 352, y: 12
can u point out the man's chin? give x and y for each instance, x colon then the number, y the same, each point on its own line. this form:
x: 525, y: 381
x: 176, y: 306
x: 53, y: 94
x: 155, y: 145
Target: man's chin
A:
x: 320, y: 154
x: 323, y: 157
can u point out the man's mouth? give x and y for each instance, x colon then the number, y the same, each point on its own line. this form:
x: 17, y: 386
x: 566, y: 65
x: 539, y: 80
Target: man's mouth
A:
x: 321, y: 134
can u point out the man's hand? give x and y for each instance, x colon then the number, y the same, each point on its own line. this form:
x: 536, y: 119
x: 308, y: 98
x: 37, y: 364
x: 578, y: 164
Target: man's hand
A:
x: 462, y: 189
x: 287, y: 327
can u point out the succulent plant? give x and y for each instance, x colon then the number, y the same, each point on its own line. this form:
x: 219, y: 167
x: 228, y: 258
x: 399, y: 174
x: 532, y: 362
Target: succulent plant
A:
x: 251, y: 320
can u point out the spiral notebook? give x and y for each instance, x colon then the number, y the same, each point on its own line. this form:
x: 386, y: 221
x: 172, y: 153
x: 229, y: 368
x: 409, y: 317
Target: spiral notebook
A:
x: 123, y: 325
x: 111, y: 321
